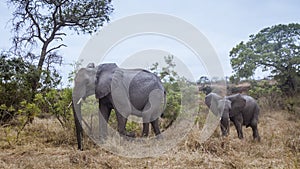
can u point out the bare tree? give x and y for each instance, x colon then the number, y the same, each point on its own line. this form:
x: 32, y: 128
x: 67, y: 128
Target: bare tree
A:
x: 41, y: 25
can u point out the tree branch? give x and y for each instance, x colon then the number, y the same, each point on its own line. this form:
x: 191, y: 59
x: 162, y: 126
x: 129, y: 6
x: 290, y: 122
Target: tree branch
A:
x: 57, y: 47
x: 36, y: 24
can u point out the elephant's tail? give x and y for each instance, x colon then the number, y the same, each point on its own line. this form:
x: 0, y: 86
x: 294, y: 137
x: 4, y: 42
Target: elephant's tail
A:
x: 257, y: 112
x: 165, y: 104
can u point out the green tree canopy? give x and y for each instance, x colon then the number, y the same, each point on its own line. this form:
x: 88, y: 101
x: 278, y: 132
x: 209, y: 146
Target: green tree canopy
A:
x: 275, y: 49
x: 40, y: 24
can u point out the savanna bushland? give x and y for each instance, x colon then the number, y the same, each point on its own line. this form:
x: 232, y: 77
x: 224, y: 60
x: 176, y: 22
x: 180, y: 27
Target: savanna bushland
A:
x: 36, y: 119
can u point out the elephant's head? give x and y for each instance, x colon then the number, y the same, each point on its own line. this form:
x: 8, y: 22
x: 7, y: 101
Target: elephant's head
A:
x: 84, y: 83
x: 212, y: 102
x: 84, y: 87
x: 220, y: 107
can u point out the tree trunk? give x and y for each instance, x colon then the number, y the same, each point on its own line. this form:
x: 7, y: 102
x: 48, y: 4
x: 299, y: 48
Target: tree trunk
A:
x: 39, y: 69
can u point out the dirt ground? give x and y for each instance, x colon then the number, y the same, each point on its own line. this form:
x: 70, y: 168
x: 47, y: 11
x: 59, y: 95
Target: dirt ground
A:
x: 44, y: 144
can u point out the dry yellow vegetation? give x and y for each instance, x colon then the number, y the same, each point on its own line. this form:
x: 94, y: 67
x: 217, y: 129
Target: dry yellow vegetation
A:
x: 45, y: 144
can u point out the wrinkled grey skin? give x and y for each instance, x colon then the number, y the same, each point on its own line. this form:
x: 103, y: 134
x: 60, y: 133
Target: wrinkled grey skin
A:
x: 127, y: 91
x: 238, y: 108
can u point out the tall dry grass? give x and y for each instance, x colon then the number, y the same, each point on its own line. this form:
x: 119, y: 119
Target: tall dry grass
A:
x: 45, y: 144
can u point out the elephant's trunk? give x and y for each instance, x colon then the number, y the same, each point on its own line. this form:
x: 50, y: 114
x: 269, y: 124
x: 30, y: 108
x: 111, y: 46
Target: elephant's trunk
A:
x: 224, y: 126
x: 77, y: 118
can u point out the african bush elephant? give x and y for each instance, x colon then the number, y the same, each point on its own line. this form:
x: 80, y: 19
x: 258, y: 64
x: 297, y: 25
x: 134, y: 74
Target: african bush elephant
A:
x: 240, y: 109
x: 127, y: 91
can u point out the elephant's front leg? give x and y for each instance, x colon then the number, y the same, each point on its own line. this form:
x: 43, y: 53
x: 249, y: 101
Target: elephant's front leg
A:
x: 103, y: 120
x: 145, y: 129
x: 238, y: 121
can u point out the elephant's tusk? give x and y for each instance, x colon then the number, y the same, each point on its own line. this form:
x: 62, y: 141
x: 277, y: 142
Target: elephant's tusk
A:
x: 70, y: 104
x: 79, y: 100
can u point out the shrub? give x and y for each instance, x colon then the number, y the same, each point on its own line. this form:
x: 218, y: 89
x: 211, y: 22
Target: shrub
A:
x: 19, y: 101
x: 56, y: 103
x: 269, y: 96
x: 14, y: 86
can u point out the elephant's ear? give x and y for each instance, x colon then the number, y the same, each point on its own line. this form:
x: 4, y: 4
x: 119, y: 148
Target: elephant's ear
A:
x: 211, y: 100
x: 237, y: 104
x: 103, y: 79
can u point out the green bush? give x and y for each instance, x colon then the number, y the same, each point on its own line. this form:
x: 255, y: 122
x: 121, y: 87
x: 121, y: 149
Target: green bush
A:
x: 292, y: 104
x: 14, y: 86
x: 56, y: 103
x: 171, y: 82
x: 269, y: 96
x: 18, y: 100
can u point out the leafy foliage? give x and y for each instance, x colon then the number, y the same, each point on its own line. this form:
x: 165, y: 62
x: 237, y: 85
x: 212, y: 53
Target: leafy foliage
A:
x: 275, y: 49
x: 263, y: 88
x: 268, y: 95
x: 171, y: 82
x: 57, y: 103
x: 16, y: 109
x: 15, y: 89
x: 15, y: 85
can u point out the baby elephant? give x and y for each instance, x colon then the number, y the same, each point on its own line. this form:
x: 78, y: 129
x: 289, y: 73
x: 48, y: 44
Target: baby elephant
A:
x: 240, y: 109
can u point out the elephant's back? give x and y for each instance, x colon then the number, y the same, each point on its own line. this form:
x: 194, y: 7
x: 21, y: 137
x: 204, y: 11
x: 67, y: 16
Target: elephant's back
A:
x: 251, y: 103
x: 140, y: 87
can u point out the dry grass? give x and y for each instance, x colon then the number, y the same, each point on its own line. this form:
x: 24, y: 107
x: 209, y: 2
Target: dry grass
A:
x: 45, y: 144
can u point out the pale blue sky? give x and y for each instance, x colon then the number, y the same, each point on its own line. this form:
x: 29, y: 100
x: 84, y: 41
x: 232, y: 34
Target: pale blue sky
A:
x: 224, y: 23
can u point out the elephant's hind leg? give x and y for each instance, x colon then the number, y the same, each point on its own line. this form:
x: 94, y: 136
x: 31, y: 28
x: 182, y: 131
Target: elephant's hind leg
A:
x: 253, y: 125
x: 155, y: 126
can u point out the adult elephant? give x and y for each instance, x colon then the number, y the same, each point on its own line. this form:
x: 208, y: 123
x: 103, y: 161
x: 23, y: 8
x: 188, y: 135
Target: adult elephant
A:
x: 127, y: 91
x: 238, y: 108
